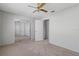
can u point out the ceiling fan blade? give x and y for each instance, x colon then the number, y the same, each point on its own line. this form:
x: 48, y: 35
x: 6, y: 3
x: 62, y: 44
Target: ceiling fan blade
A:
x: 31, y: 6
x: 43, y: 10
x: 34, y: 11
x: 41, y: 5
x: 53, y: 11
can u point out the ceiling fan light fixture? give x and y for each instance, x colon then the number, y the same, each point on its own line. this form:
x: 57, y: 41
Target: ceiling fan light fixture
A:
x: 40, y: 7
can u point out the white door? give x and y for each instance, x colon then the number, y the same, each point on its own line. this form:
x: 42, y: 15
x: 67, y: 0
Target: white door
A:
x: 38, y: 30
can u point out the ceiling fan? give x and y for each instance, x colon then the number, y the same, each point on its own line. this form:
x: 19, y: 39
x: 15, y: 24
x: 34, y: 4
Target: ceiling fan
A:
x: 39, y: 7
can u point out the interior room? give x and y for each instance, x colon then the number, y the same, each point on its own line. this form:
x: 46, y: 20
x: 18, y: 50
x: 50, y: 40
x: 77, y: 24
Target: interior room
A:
x: 39, y: 29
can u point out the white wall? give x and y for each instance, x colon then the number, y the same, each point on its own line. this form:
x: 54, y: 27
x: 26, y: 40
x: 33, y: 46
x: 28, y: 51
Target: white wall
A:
x: 7, y: 29
x: 64, y: 29
x: 7, y: 24
x: 17, y: 28
x: 27, y: 29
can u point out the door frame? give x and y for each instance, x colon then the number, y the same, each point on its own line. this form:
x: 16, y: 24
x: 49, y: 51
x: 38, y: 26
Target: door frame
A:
x: 44, y: 28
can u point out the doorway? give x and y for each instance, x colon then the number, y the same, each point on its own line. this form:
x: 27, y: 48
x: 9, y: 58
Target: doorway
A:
x: 22, y: 30
x: 46, y: 29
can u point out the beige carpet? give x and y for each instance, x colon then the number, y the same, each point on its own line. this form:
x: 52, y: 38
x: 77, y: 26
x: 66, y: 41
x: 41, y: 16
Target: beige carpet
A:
x: 27, y: 47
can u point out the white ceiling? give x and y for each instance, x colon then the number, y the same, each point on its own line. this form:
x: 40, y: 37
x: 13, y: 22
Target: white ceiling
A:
x: 23, y: 9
